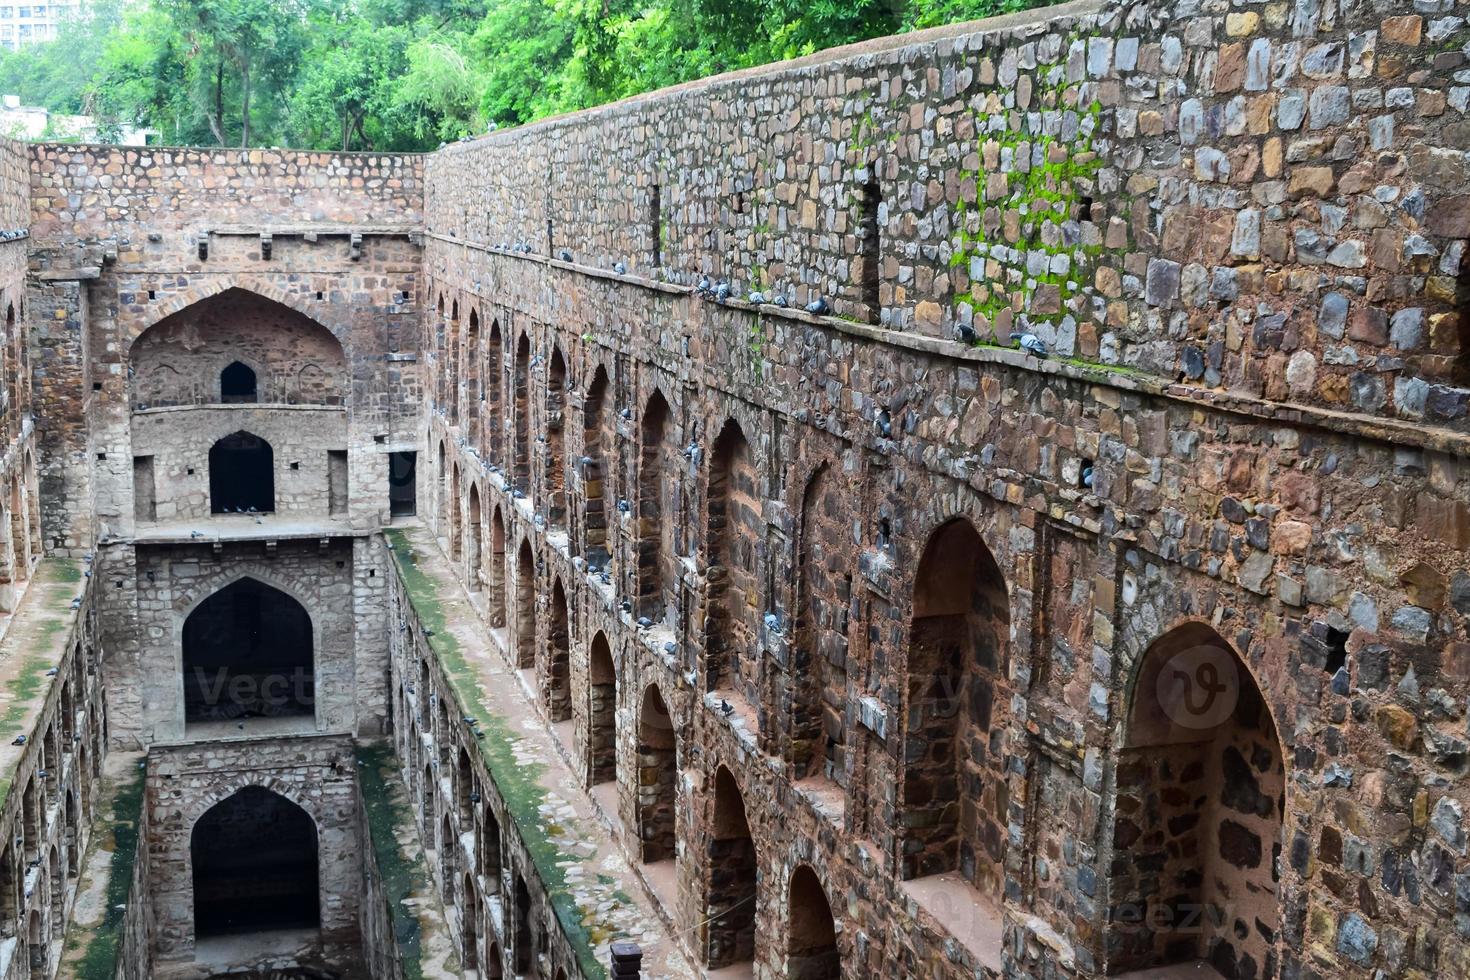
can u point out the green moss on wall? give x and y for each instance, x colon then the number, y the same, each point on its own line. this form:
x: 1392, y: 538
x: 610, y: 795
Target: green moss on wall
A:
x: 518, y: 783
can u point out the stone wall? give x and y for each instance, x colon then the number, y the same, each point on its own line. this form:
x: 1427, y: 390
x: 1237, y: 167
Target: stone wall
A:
x: 317, y: 775
x: 187, y: 240
x: 54, y: 742
x: 169, y: 581
x: 1265, y: 202
x: 1238, y: 229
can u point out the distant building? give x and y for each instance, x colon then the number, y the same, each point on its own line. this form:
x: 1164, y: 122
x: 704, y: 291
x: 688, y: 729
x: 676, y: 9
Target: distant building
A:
x: 22, y: 24
x: 31, y: 122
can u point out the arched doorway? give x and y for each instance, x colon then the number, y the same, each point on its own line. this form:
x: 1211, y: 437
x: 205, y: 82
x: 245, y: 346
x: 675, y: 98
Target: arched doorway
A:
x: 657, y: 777
x: 602, y: 738
x: 472, y: 552
x: 653, y: 531
x: 242, y: 476
x: 730, y: 878
x: 470, y: 927
x: 520, y: 475
x: 595, y: 541
x: 1200, y: 807
x: 456, y: 528
x: 524, y: 947
x: 556, y: 480
x: 819, y: 655
x: 811, y: 941
x: 237, y: 384
x: 254, y: 858
x: 954, y: 789
x: 525, y: 608
x: 559, y: 664
x: 497, y: 568
x: 248, y: 652
x: 733, y: 535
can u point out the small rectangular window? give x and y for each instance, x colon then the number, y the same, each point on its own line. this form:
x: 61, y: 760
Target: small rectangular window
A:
x: 337, y: 481
x: 656, y: 224
x: 402, y: 479
x: 872, y: 248
x: 145, y: 502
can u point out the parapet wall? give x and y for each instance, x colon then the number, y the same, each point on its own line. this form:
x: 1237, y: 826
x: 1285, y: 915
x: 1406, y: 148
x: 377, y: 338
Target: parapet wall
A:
x: 1265, y: 199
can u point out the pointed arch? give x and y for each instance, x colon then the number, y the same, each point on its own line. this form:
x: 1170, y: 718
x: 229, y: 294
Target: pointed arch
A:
x: 525, y: 607
x: 732, y: 539
x: 954, y: 795
x: 556, y: 462
x: 496, y: 568
x: 730, y: 878
x: 655, y: 483
x: 247, y: 651
x: 520, y: 475
x: 236, y: 345
x: 596, y: 441
x: 559, y: 661
x: 811, y: 935
x: 819, y: 654
x: 1201, y: 800
x: 657, y: 777
x: 470, y: 371
x: 494, y: 406
x: 254, y: 860
x: 456, y: 524
x: 242, y: 476
x: 474, y: 531
x: 602, y: 690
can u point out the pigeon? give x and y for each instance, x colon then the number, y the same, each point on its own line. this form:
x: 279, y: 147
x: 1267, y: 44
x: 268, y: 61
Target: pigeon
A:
x: 772, y: 623
x: 626, y: 413
x: 670, y: 647
x: 817, y: 307
x: 704, y: 285
x: 626, y: 605
x: 196, y: 534
x: 518, y: 493
x: 757, y: 298
x: 726, y: 708
x: 620, y: 268
x: 722, y: 292
x: 623, y: 507
x: 884, y: 424
x: 644, y: 622
x: 1087, y: 476
x: 964, y: 333
x: 586, y: 461
x: 781, y: 302
x: 565, y: 256
x: 1030, y: 343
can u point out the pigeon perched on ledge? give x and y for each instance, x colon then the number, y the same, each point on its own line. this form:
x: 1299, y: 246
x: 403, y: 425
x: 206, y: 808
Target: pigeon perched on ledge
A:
x: 818, y: 307
x: 1031, y: 344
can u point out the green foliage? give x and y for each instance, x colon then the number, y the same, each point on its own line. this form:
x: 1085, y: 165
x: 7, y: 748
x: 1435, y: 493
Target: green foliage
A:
x: 409, y: 74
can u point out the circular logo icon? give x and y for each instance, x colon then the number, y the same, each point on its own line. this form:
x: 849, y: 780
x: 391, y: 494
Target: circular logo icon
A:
x: 1198, y: 687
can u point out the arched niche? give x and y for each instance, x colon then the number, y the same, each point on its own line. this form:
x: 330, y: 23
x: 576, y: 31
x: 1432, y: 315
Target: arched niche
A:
x: 255, y: 866
x: 195, y: 356
x: 248, y: 652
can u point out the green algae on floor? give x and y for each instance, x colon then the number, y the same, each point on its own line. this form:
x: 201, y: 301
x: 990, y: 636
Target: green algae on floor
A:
x: 403, y: 876
x: 519, y: 782
x: 115, y: 832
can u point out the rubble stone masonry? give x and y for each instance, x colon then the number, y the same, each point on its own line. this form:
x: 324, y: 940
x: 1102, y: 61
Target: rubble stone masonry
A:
x: 878, y: 644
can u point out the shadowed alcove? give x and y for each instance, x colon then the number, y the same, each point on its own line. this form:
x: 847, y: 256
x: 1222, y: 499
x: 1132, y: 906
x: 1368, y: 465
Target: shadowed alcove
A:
x: 242, y: 475
x: 247, y: 653
x: 254, y: 857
